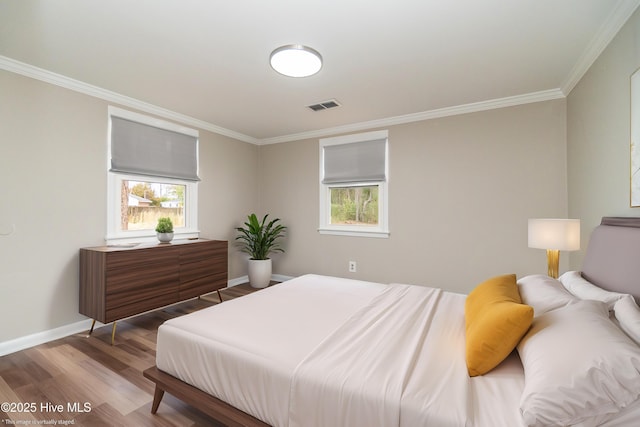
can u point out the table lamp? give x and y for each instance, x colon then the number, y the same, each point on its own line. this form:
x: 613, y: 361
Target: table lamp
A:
x: 554, y: 235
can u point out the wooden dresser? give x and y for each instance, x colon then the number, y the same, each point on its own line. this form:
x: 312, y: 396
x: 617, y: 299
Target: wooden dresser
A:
x: 122, y: 281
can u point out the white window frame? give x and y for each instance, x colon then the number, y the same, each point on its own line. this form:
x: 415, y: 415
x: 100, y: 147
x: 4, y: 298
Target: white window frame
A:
x: 115, y: 235
x: 382, y: 229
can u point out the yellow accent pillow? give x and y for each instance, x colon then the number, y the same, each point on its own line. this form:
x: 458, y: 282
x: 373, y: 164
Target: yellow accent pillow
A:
x: 495, y: 321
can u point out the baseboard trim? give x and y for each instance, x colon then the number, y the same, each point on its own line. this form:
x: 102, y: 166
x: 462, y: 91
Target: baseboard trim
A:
x: 38, y: 338
x: 245, y: 279
x: 237, y: 281
x: 280, y: 277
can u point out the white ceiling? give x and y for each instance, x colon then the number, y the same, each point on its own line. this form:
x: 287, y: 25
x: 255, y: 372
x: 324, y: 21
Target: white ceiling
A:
x: 386, y: 61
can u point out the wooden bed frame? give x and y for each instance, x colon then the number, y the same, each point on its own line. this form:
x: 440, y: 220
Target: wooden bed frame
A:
x: 614, y: 244
x: 212, y: 406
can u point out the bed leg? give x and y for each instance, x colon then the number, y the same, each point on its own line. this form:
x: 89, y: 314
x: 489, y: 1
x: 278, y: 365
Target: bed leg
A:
x: 157, y: 397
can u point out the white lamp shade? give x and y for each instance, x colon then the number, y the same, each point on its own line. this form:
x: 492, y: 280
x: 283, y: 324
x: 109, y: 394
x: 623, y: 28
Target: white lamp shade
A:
x: 559, y: 234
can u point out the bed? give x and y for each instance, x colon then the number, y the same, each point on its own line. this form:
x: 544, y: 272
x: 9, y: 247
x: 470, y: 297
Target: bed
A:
x: 326, y: 351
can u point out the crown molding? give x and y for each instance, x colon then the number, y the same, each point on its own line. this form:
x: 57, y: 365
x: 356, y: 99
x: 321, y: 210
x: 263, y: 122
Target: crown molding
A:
x: 425, y: 115
x: 618, y: 17
x: 46, y: 76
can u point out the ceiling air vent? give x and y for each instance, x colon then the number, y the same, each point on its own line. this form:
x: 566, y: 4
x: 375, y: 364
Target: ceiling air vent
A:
x: 324, y: 105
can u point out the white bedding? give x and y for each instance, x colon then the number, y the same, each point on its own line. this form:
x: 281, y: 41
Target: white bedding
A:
x: 393, y: 353
x: 357, y: 375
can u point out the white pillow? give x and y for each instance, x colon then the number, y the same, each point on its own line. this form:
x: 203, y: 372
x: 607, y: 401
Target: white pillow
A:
x: 628, y: 316
x: 583, y: 289
x: 543, y: 293
x: 579, y: 367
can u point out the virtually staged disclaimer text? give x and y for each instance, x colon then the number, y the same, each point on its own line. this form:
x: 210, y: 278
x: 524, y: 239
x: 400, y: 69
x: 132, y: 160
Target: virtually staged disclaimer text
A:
x: 37, y: 422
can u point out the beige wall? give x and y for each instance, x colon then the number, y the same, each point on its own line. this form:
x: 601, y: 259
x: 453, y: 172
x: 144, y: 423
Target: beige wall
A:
x: 461, y: 191
x: 598, y: 135
x: 53, y: 157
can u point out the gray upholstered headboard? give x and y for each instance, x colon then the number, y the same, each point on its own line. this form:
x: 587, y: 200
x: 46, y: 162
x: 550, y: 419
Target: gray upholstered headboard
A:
x: 612, y: 260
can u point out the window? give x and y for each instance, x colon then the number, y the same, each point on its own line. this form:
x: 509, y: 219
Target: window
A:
x: 147, y: 201
x: 152, y: 173
x: 353, y: 185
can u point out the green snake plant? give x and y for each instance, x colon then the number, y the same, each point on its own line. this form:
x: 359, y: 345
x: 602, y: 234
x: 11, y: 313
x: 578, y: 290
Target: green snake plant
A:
x: 260, y: 238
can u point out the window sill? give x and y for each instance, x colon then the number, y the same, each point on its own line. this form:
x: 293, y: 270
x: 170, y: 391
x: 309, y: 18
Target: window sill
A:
x: 355, y: 232
x: 147, y: 237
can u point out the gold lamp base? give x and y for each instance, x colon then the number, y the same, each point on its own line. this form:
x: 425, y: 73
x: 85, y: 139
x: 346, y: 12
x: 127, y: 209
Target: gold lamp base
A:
x: 553, y: 260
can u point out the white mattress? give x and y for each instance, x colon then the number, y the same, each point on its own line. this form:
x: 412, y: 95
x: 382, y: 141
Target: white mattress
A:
x: 326, y: 351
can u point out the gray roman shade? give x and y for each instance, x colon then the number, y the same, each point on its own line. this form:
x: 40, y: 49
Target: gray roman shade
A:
x: 355, y: 162
x: 141, y: 149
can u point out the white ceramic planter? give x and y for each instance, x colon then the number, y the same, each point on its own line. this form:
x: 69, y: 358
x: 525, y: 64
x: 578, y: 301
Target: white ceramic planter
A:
x: 259, y: 273
x: 165, y: 237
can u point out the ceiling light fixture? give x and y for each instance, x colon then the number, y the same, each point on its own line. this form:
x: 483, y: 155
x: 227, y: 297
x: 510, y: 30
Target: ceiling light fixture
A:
x: 295, y: 60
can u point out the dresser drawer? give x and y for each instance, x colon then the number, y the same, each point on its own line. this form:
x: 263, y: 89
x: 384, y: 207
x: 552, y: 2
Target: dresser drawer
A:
x: 142, y: 261
x: 132, y: 278
x: 150, y: 302
x: 209, y: 250
x: 203, y: 285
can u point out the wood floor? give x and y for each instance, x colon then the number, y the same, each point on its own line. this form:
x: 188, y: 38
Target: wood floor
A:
x: 81, y: 380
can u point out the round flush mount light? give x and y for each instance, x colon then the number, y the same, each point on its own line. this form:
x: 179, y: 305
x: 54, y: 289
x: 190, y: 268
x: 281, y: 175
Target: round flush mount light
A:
x: 295, y: 60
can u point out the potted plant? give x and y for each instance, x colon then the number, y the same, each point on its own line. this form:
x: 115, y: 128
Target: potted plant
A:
x: 164, y: 230
x: 259, y: 239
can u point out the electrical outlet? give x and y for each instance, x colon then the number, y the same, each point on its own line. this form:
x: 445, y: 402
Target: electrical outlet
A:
x: 352, y: 266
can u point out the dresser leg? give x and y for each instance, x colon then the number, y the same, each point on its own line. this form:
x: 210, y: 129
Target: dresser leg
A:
x: 92, y: 325
x: 113, y: 332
